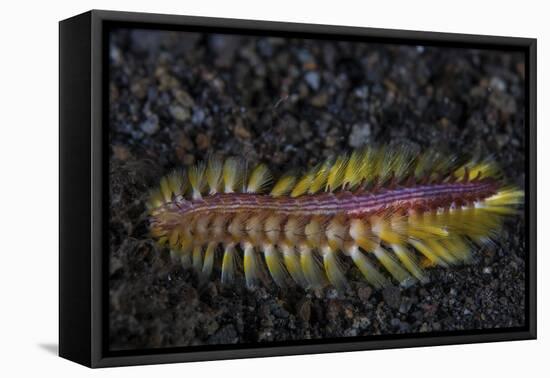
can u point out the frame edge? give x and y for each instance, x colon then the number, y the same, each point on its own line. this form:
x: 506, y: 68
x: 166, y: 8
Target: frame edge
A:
x: 532, y: 169
x: 74, y: 190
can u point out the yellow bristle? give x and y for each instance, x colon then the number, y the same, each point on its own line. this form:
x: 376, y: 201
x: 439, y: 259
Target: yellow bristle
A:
x: 501, y: 210
x: 165, y: 189
x: 333, y: 270
x: 408, y: 261
x: 352, y: 174
x: 157, y: 232
x: 228, y: 264
x: 251, y: 265
x: 447, y: 163
x: 369, y: 271
x: 336, y: 175
x: 183, y: 250
x: 196, y: 180
x: 422, y: 226
x: 427, y: 252
x: 393, y: 266
x: 310, y: 267
x: 384, y: 229
x: 197, y: 258
x: 458, y: 248
x: 283, y: 186
x: 423, y: 231
x: 259, y: 179
x: 483, y: 169
x: 185, y: 239
x: 303, y: 184
x: 506, y: 197
x: 403, y: 162
x: 231, y: 175
x: 437, y: 247
x: 174, y: 238
x: 156, y: 199
x: 176, y: 183
x: 320, y: 177
x: 274, y: 265
x: 425, y: 164
x: 432, y: 163
x: 362, y: 235
x: 367, y: 168
x: 244, y: 175
x: 209, y: 259
x: 214, y: 174
x: 392, y: 162
x: 292, y: 263
x: 378, y: 163
x: 475, y: 222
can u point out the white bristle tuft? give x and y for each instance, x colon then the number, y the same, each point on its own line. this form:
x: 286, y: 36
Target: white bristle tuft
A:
x: 228, y: 264
x: 231, y: 175
x: 214, y: 174
x: 196, y: 180
x: 259, y: 180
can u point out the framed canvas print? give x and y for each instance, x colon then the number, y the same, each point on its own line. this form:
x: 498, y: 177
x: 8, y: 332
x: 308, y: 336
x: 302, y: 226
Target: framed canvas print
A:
x: 234, y: 188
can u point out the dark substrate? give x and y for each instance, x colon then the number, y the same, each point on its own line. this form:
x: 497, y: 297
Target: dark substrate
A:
x: 176, y: 97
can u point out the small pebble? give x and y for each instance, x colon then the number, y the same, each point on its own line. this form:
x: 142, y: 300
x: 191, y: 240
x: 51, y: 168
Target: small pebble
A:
x: 241, y: 131
x: 364, y: 293
x: 179, y: 113
x: 360, y: 135
x: 320, y: 100
x: 151, y: 125
x: 203, y: 141
x: 313, y: 79
x: 304, y: 310
x: 405, y: 306
x: 188, y: 159
x: 183, y: 98
x: 121, y: 153
x: 392, y: 296
x: 225, y: 335
x: 198, y: 117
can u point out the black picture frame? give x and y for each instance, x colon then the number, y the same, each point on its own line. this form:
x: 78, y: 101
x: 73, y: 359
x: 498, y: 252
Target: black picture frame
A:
x: 83, y: 196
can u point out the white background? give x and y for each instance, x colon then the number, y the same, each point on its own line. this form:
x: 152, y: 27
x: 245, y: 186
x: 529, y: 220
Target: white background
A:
x: 29, y: 187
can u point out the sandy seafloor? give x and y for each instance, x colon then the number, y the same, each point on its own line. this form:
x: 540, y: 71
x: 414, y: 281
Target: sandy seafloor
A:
x: 176, y: 97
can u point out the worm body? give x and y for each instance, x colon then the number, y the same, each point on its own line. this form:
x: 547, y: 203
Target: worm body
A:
x: 389, y: 211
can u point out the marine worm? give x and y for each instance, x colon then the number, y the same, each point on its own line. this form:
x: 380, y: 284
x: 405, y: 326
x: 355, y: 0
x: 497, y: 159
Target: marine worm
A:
x: 391, y: 212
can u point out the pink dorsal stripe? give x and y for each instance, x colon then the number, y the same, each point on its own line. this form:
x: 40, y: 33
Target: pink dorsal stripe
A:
x: 346, y: 203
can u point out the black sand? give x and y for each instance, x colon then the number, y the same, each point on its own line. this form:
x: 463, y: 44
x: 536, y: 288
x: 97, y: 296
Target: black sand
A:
x: 290, y: 103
